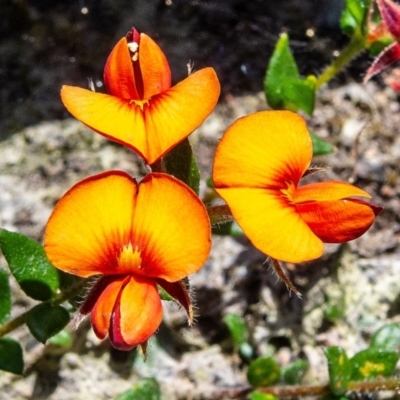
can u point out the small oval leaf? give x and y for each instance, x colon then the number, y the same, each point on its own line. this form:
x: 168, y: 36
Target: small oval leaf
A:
x: 5, y: 297
x: 144, y: 389
x: 237, y: 328
x: 11, y: 357
x: 294, y: 372
x: 264, y: 371
x: 28, y: 263
x: 387, y: 338
x: 339, y: 369
x: 373, y: 363
x: 261, y: 396
x: 320, y: 146
x: 45, y: 320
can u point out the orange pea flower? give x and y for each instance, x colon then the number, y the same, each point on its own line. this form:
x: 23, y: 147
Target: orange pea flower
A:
x: 257, y: 169
x: 141, y: 110
x: 137, y: 236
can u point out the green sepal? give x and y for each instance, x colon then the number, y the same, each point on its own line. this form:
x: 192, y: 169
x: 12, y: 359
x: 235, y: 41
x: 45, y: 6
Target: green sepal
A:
x: 375, y: 48
x: 294, y: 372
x: 5, y: 297
x: 28, y: 263
x: 11, y: 357
x: 373, y: 363
x: 339, y: 369
x: 283, y: 86
x: 45, y: 321
x: 320, y: 146
x: 387, y: 338
x: 354, y: 17
x: 230, y: 228
x: 264, y: 371
x: 144, y: 389
x: 181, y: 163
x: 164, y: 295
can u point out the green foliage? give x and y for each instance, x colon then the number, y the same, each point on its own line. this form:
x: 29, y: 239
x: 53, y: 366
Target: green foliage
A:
x: 230, y: 228
x: 45, y: 320
x: 387, y: 338
x: 11, y: 358
x: 283, y: 86
x: 373, y: 363
x: 145, y: 389
x: 294, y: 372
x: 181, y: 163
x: 237, y: 328
x: 353, y: 18
x: 29, y: 265
x: 320, y: 146
x: 61, y: 339
x: 261, y: 396
x: 5, y: 297
x: 264, y: 371
x: 339, y: 369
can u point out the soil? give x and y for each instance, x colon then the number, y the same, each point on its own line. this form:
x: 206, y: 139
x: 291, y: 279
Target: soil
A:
x: 39, y: 163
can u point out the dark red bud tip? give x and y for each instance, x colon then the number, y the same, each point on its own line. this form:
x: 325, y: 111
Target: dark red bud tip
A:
x: 133, y: 36
x: 390, y: 12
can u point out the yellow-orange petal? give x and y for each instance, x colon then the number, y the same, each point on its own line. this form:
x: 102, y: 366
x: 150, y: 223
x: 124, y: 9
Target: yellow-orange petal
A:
x: 90, y: 222
x: 137, y: 314
x: 170, y: 227
x: 272, y: 224
x: 117, y: 119
x: 154, y: 67
x: 102, y: 310
x: 325, y: 191
x: 337, y: 221
x: 267, y: 149
x: 153, y: 127
x: 118, y: 73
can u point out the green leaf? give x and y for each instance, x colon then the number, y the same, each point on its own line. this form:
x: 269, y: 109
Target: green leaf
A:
x: 339, y: 369
x: 181, y: 163
x: 354, y: 16
x: 387, y: 338
x: 261, y: 396
x: 61, y: 339
x: 144, y: 389
x: 294, y: 372
x: 373, y: 363
x: 264, y: 371
x: 45, y: 320
x: 5, y: 297
x: 11, y: 357
x: 237, y: 328
x: 283, y: 86
x: 28, y: 263
x: 320, y: 147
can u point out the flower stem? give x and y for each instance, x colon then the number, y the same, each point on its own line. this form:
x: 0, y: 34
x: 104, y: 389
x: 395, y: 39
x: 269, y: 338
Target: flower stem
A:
x: 56, y: 300
x: 356, y: 45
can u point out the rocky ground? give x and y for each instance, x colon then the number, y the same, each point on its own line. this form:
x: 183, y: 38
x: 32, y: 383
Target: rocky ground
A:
x: 41, y: 162
x: 45, y: 44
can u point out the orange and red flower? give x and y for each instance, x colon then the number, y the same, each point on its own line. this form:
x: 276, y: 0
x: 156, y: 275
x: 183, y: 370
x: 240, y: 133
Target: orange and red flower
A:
x: 137, y: 236
x: 141, y: 110
x: 257, y: 169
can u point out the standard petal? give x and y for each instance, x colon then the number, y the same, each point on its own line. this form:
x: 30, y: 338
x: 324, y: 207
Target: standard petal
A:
x: 337, y: 221
x: 170, y: 227
x: 118, y: 73
x: 102, y: 310
x: 90, y: 223
x: 137, y: 315
x: 325, y: 191
x: 176, y: 113
x: 266, y: 149
x: 154, y: 67
x: 272, y: 224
